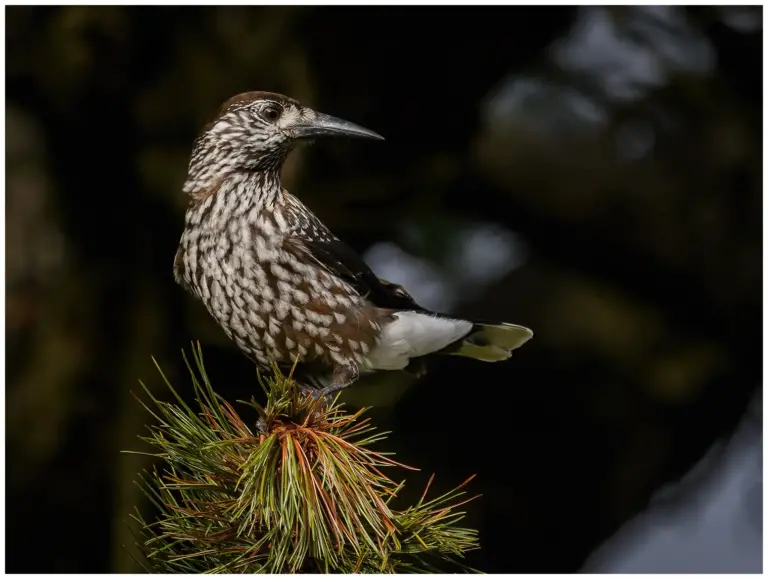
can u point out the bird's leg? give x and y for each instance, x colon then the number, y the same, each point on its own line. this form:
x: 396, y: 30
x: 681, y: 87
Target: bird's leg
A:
x: 343, y: 377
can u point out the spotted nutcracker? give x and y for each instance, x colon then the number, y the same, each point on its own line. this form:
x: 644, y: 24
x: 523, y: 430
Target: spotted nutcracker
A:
x: 283, y: 286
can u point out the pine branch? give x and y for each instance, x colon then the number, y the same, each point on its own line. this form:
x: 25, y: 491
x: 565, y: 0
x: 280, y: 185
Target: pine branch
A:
x: 301, y: 490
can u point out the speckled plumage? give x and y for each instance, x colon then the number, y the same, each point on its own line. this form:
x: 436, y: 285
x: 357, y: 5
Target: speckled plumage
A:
x: 280, y: 284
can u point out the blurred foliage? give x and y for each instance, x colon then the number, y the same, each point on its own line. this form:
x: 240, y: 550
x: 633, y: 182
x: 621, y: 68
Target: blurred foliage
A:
x: 637, y: 202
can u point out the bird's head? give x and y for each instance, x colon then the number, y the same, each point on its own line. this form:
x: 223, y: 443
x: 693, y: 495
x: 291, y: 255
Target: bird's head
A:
x: 256, y: 130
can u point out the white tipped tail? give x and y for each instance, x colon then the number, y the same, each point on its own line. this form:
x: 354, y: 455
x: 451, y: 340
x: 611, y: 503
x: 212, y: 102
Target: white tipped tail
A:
x: 491, y: 342
x: 413, y: 334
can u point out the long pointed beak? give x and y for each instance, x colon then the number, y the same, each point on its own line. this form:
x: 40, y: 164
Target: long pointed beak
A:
x: 322, y: 125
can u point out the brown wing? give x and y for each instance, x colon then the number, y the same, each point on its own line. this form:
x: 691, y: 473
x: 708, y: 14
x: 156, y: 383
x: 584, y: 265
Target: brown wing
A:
x: 342, y: 261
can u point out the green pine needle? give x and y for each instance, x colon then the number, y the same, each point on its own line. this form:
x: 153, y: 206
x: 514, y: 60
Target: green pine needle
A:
x: 300, y: 490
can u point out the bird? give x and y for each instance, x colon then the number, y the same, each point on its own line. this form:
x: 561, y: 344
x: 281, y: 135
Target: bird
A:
x: 280, y: 283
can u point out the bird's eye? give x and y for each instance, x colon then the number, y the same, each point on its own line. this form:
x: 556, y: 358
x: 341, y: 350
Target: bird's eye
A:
x: 271, y: 112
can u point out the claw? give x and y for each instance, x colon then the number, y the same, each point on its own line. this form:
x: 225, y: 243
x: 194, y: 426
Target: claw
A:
x: 328, y: 390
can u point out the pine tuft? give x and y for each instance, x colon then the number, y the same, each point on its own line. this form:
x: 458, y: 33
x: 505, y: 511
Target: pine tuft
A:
x: 300, y: 490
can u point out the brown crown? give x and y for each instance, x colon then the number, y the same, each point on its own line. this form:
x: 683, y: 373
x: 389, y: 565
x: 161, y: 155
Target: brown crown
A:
x: 246, y: 98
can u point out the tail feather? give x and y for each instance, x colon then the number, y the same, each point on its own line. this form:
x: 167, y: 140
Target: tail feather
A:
x: 490, y: 342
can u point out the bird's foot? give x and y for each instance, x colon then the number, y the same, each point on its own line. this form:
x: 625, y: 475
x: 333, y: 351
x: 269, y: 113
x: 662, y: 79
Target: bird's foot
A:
x: 306, y: 389
x: 342, y: 377
x: 328, y: 390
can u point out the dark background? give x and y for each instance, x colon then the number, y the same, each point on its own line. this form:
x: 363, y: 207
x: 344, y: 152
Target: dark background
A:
x: 610, y: 158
